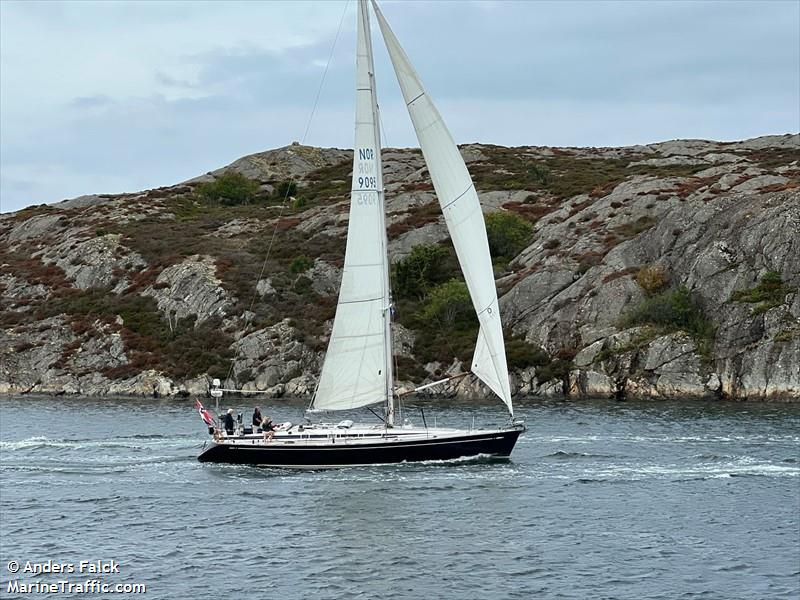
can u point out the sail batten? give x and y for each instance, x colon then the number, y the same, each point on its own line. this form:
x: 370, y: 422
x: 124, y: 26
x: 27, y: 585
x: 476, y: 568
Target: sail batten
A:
x: 463, y: 216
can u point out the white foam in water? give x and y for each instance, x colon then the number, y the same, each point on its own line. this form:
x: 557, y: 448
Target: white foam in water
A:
x: 32, y: 442
x: 462, y: 459
x: 45, y: 442
x: 678, y: 471
x: 756, y: 439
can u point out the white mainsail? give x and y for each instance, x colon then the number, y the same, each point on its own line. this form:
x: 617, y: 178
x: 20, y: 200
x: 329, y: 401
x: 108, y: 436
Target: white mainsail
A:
x: 459, y: 202
x: 358, y: 365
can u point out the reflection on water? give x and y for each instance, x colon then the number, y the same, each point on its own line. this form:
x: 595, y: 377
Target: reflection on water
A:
x: 600, y: 499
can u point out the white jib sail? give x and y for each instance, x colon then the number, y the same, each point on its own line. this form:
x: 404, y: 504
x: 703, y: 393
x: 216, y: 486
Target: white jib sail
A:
x: 357, y: 367
x: 462, y: 212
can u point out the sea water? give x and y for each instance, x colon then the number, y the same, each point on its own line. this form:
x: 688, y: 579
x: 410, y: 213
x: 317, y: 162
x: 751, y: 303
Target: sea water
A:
x: 599, y: 500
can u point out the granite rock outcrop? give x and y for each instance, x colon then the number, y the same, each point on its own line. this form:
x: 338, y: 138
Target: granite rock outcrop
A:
x: 155, y: 293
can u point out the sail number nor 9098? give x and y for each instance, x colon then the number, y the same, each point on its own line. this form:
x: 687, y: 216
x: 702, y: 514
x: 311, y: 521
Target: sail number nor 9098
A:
x: 365, y: 178
x: 367, y: 182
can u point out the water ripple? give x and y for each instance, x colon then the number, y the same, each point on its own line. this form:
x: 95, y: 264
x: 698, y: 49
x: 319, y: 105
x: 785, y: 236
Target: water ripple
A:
x: 599, y: 500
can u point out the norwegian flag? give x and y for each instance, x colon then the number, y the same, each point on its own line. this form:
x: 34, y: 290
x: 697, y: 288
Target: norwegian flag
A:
x: 204, y: 414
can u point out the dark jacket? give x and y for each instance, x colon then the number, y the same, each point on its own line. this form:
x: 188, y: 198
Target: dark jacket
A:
x: 228, y: 422
x: 256, y: 418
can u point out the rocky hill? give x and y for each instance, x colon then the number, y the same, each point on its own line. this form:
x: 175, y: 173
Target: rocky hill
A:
x: 664, y: 270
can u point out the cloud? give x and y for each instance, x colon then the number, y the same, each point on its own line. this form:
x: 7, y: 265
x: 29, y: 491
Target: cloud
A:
x: 87, y: 102
x: 573, y: 50
x: 111, y: 97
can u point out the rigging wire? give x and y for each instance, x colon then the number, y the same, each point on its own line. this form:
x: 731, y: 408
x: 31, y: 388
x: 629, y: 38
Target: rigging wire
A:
x: 249, y: 312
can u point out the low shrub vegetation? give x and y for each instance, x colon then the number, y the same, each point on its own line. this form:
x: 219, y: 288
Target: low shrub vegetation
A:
x: 508, y: 233
x: 229, y: 189
x: 563, y: 175
x: 674, y: 310
x: 521, y: 355
x: 448, y: 306
x: 435, y: 305
x: 652, y: 279
x: 300, y: 264
x: 540, y: 174
x: 416, y: 217
x: 770, y: 292
x: 426, y: 266
x: 283, y: 191
x: 327, y: 184
x: 180, y: 349
x: 558, y: 369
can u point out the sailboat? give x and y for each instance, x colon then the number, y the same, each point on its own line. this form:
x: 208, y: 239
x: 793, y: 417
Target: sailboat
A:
x: 358, y: 367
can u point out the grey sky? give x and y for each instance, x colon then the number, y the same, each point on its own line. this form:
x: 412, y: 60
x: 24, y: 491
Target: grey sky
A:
x: 121, y: 96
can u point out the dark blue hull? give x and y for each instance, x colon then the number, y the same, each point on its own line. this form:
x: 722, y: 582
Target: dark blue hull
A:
x: 494, y: 444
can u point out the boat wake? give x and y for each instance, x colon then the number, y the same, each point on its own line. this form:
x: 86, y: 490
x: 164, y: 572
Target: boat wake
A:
x: 466, y: 460
x: 577, y: 455
x: 135, y: 442
x: 70, y: 456
x: 689, y: 473
x: 93, y: 467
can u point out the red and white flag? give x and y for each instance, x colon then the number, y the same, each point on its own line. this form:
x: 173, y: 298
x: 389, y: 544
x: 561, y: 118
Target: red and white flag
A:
x: 204, y: 414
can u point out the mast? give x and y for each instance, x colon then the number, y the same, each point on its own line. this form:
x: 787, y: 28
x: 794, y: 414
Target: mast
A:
x: 363, y: 8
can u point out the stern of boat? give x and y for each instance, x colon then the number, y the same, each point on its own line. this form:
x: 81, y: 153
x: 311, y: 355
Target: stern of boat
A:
x: 211, y: 452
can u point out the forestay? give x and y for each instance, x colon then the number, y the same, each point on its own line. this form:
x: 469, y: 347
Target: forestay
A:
x: 462, y: 212
x: 357, y: 367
